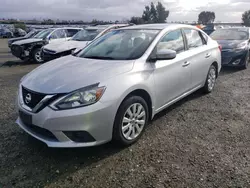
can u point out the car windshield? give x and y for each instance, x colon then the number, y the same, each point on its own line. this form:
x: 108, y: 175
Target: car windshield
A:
x: 230, y: 34
x: 86, y: 35
x: 120, y: 45
x: 31, y: 33
x: 43, y: 34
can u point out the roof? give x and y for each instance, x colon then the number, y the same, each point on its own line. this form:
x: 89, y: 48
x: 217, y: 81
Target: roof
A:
x: 156, y: 26
x: 106, y: 26
x: 236, y: 28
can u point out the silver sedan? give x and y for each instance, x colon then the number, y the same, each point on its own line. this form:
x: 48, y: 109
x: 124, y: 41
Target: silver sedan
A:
x: 114, y: 86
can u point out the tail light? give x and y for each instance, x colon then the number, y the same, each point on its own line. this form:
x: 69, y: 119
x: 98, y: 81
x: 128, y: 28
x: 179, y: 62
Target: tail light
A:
x: 220, y: 47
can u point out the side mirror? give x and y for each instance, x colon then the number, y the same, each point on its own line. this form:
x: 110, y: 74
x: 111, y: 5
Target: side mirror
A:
x: 164, y: 54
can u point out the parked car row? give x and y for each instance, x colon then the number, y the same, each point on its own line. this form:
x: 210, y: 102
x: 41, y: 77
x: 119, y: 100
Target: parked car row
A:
x: 31, y: 48
x: 5, y: 33
x: 77, y: 42
x: 111, y: 88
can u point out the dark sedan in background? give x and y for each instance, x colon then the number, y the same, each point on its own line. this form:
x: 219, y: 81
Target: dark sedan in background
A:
x: 29, y: 35
x: 235, y: 46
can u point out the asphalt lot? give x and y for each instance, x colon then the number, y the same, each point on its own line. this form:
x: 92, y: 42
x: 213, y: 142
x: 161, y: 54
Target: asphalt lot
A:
x: 202, y: 141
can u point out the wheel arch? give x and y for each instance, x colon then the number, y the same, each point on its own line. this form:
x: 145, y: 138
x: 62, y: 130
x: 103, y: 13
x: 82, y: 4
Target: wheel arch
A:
x: 141, y: 93
x: 215, y: 63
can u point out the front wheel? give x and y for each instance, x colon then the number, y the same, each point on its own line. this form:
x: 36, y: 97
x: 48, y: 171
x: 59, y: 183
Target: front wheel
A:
x: 211, y: 79
x: 131, y: 120
x: 246, y: 61
x: 36, y: 55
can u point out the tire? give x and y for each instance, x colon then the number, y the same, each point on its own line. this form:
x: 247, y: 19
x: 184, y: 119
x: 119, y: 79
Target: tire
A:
x: 135, y: 125
x: 36, y: 55
x: 246, y: 62
x: 210, y: 80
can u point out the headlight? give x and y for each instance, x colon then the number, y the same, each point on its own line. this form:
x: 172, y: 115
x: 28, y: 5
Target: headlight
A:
x: 80, y: 98
x: 242, y: 45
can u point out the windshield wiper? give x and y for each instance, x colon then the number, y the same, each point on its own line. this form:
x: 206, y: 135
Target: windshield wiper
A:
x: 99, y: 57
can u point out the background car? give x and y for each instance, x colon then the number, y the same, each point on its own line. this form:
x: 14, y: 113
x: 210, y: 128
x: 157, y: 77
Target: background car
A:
x: 209, y: 28
x: 31, y: 48
x: 5, y: 33
x: 235, y: 46
x: 111, y: 88
x: 19, y: 32
x: 31, y: 34
x: 79, y: 41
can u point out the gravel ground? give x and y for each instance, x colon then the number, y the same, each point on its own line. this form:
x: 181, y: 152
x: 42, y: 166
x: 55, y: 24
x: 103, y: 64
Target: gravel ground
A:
x: 202, y: 141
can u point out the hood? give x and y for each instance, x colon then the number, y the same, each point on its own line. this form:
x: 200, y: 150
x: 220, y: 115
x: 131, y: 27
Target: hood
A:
x: 229, y: 44
x: 16, y: 39
x: 27, y: 41
x: 65, y: 46
x: 70, y: 73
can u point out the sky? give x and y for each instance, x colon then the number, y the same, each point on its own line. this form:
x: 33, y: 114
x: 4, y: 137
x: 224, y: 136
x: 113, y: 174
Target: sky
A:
x: 87, y: 10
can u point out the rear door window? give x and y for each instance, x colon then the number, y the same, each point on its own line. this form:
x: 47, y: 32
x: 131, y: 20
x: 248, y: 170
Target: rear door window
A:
x: 194, y: 39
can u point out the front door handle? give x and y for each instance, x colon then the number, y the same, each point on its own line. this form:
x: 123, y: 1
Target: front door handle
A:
x: 185, y: 64
x: 207, y: 55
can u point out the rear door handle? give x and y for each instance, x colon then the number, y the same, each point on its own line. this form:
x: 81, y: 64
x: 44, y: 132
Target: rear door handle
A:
x: 207, y: 55
x: 185, y: 64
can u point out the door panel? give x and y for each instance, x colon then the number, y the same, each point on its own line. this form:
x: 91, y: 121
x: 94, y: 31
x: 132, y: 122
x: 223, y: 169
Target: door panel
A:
x: 172, y: 77
x: 201, y: 56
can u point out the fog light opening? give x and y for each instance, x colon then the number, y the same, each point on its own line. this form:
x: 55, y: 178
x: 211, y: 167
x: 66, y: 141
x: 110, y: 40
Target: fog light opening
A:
x: 236, y: 62
x: 79, y: 136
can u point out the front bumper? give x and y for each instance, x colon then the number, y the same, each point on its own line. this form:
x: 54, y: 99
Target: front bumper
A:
x: 19, y: 51
x: 51, y: 127
x: 233, y: 58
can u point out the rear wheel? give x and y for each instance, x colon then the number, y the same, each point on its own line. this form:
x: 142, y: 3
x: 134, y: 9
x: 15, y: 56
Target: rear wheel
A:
x: 36, y: 55
x: 211, y: 79
x: 131, y: 120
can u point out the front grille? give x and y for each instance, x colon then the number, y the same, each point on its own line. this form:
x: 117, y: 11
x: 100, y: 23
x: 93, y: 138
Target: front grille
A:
x: 31, y: 98
x: 16, y: 50
x: 41, y: 132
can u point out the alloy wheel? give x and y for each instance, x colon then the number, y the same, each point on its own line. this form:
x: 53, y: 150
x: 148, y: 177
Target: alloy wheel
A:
x: 211, y: 79
x: 133, y: 121
x: 38, y: 56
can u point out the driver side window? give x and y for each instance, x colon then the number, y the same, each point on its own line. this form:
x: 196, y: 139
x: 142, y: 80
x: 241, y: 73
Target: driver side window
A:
x: 172, y: 41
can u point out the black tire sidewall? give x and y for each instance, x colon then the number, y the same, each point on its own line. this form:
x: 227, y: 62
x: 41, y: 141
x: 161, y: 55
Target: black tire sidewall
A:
x: 246, y: 61
x: 206, y: 88
x: 34, y: 53
x: 117, y: 130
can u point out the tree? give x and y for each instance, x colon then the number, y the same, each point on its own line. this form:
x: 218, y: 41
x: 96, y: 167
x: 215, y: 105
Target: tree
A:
x: 20, y: 25
x: 155, y: 14
x: 162, y: 13
x: 246, y: 18
x: 206, y: 17
x: 146, y: 14
x: 136, y: 20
